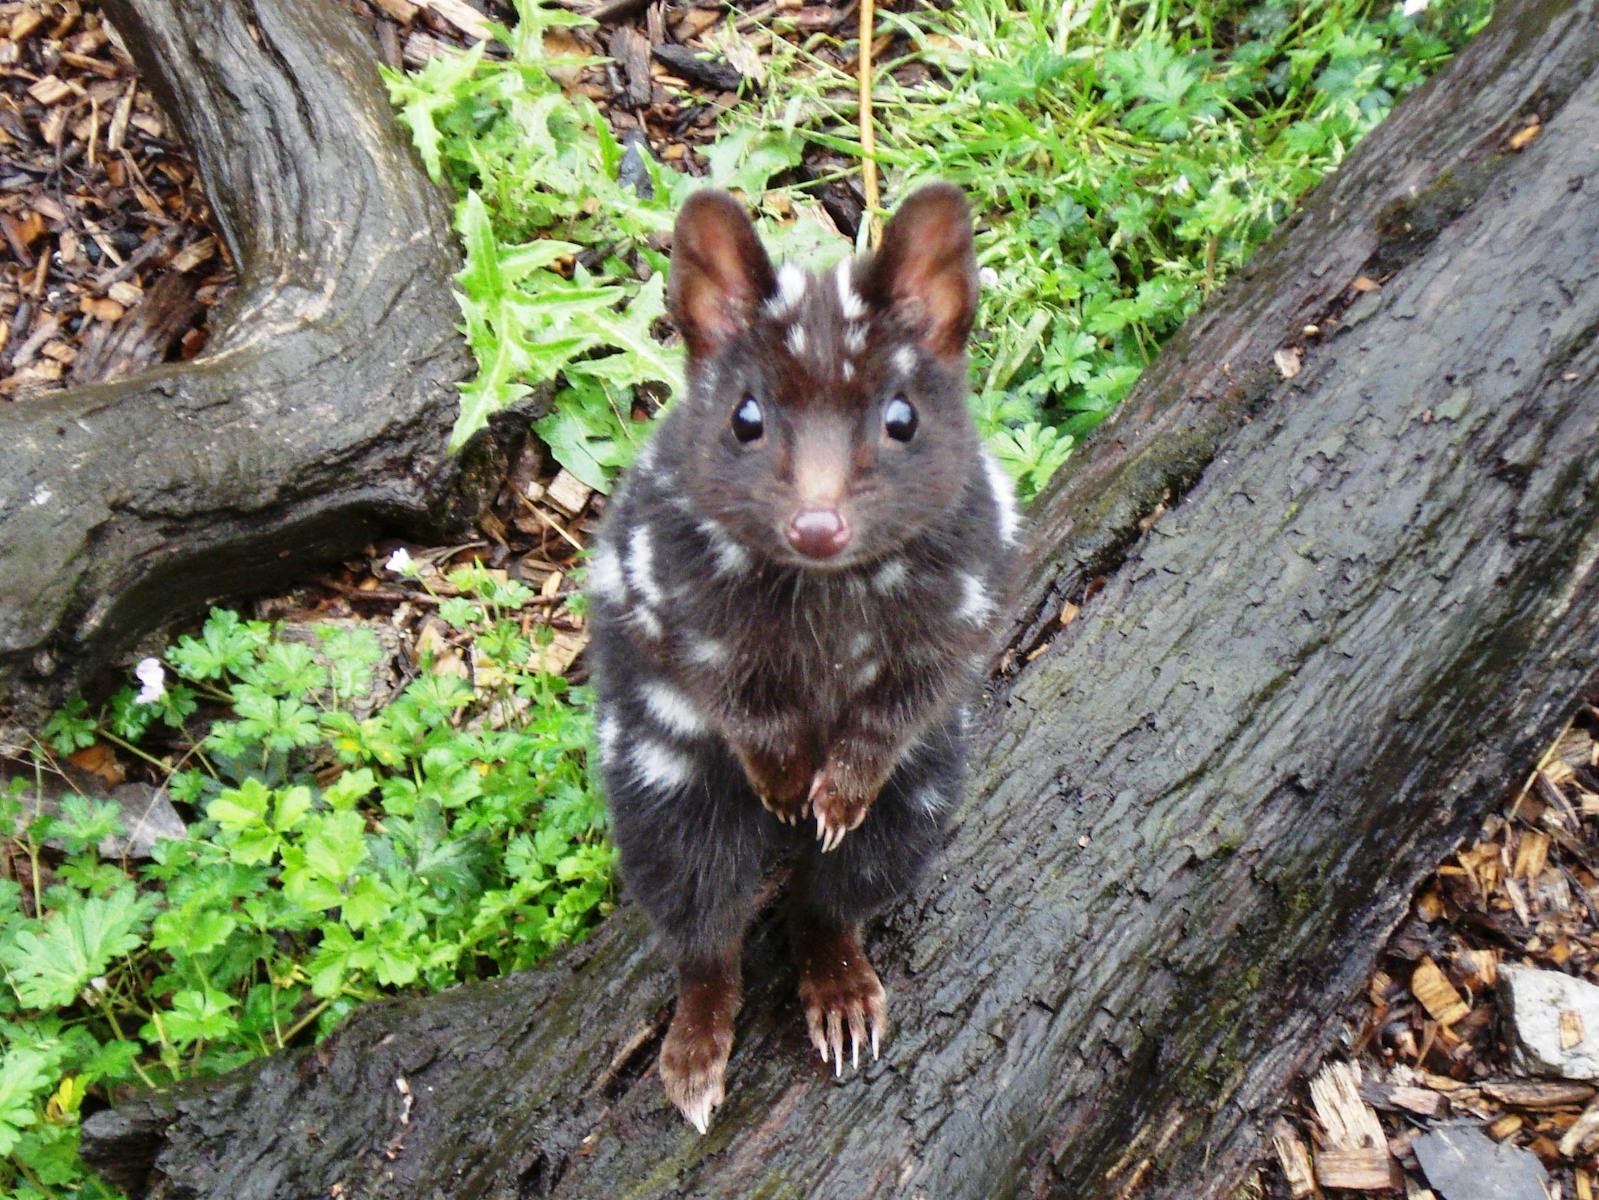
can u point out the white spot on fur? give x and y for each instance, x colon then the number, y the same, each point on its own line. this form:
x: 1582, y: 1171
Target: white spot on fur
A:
x: 866, y: 674
x: 791, y: 284
x: 674, y: 710
x: 606, y: 732
x: 796, y: 340
x: 861, y: 644
x: 905, y: 360
x: 731, y: 558
x: 932, y: 801
x: 847, y: 370
x: 707, y: 652
x: 660, y: 766
x: 1004, y: 493
x: 976, y: 604
x: 640, y: 565
x: 850, y: 304
x: 605, y: 576
x: 854, y: 338
x: 891, y: 576
x: 646, y: 619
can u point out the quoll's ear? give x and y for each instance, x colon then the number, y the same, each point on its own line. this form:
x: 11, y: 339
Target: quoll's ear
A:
x: 926, y: 270
x: 720, y: 273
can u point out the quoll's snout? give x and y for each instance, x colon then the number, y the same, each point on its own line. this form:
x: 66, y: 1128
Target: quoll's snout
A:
x: 818, y: 532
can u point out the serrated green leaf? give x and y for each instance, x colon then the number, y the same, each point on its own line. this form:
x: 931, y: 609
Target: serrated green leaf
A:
x: 50, y: 964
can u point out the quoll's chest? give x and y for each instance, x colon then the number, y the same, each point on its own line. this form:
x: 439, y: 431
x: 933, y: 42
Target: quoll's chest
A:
x: 774, y: 638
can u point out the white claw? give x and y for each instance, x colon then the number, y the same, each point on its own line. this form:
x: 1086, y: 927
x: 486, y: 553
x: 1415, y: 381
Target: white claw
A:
x: 854, y: 1050
x: 874, y: 1041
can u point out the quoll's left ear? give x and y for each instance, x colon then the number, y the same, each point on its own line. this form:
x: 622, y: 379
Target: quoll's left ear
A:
x: 925, y: 268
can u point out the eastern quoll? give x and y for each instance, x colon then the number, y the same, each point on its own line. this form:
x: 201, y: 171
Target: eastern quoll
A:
x: 793, y: 596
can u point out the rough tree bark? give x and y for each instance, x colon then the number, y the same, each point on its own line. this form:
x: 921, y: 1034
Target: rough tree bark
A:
x: 319, y: 412
x: 1338, y: 612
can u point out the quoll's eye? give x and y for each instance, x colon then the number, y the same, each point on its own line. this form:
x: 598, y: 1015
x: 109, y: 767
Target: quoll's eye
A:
x: 899, y: 419
x: 747, y: 422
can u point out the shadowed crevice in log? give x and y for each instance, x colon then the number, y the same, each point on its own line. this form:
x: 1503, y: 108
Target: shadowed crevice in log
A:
x: 1192, y: 816
x: 319, y: 412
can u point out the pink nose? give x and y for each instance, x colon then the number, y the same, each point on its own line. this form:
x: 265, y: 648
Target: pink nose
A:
x: 818, y: 532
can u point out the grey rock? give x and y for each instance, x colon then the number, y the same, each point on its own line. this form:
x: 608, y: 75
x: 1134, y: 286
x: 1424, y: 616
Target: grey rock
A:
x: 146, y: 814
x: 1463, y: 1163
x: 1536, y: 1003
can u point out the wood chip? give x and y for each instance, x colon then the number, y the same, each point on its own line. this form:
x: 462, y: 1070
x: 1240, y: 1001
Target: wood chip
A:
x: 1538, y: 1094
x: 559, y: 654
x: 568, y: 493
x: 1294, y: 1159
x: 1571, y: 1033
x: 1356, y: 1152
x: 1524, y: 135
x: 125, y: 293
x: 402, y: 11
x: 50, y: 90
x: 462, y: 15
x: 1364, y: 283
x: 421, y: 48
x: 1532, y: 852
x: 1437, y: 995
x: 1505, y: 1126
x: 195, y: 253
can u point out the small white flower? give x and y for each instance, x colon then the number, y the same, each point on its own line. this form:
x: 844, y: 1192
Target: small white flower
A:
x: 987, y: 276
x: 1413, y: 7
x: 400, y: 562
x: 153, y: 676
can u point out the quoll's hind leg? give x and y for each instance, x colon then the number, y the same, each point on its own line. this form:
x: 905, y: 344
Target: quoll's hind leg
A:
x: 695, y: 856
x: 700, y: 1039
x: 838, y: 988
x: 834, y: 892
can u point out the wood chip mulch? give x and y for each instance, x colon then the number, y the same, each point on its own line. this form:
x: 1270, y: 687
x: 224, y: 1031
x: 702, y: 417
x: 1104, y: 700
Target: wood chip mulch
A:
x: 1429, y: 1047
x: 110, y: 262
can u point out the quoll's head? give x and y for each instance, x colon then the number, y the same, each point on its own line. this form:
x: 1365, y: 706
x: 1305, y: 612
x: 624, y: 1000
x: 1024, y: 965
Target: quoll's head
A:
x: 827, y: 412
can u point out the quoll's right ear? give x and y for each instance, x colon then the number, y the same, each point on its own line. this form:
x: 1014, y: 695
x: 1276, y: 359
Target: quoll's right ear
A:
x: 720, y: 274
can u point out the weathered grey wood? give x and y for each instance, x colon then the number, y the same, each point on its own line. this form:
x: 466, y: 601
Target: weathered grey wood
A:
x: 1198, y: 809
x: 319, y: 411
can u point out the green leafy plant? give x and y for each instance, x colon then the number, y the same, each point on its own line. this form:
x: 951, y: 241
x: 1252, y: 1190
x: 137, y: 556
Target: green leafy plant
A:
x: 336, y: 851
x: 562, y: 285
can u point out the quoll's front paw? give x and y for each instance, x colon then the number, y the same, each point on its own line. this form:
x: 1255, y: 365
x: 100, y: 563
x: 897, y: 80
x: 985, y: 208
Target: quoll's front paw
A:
x: 694, y: 1068
x: 843, y: 992
x: 839, y: 807
x: 782, y: 783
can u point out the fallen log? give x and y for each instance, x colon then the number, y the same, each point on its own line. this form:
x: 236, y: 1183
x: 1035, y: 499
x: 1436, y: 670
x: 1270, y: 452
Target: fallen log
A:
x: 319, y: 412
x: 1316, y: 624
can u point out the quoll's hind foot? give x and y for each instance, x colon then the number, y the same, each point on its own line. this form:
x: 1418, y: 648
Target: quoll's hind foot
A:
x: 699, y: 1041
x: 841, y: 991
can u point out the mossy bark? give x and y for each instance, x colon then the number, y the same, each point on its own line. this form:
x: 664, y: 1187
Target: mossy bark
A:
x: 318, y: 413
x: 1371, y: 597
